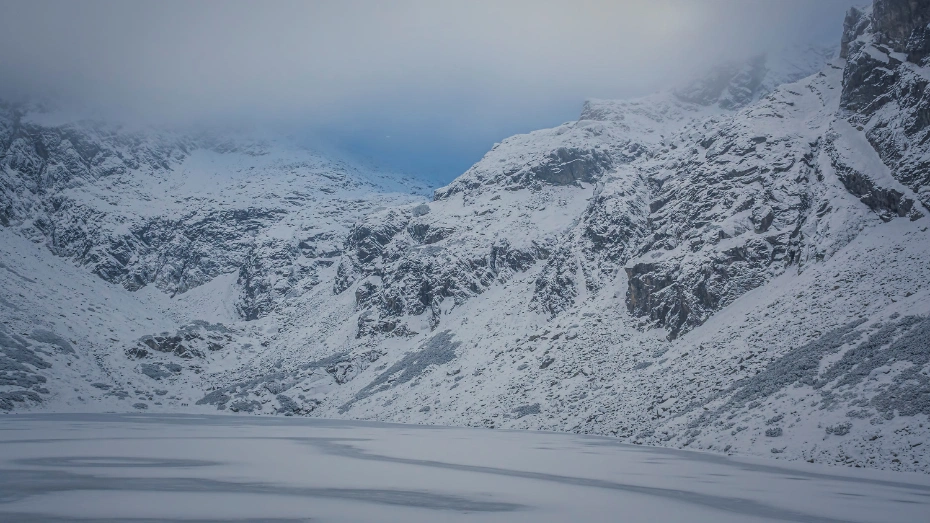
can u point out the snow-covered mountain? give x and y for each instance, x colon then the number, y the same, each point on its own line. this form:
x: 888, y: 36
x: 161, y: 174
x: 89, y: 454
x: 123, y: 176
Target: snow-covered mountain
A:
x: 737, y: 265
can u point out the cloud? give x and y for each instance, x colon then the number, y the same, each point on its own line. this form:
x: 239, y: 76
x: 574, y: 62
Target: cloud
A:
x: 463, y: 68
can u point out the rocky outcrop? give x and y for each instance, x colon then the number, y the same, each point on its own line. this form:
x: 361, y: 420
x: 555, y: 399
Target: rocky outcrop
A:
x: 175, y: 255
x: 895, y: 21
x: 576, y: 152
x: 272, y: 271
x: 724, y: 216
x: 857, y: 21
x: 865, y: 183
x: 42, y: 166
x: 24, y: 364
x: 681, y: 293
x: 887, y: 93
x: 402, y: 263
x: 566, y: 166
x: 730, y: 211
x: 591, y: 254
x: 658, y: 181
x: 150, y: 207
x: 194, y: 340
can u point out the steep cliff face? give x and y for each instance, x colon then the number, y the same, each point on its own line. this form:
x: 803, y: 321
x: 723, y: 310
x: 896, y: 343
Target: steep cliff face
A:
x: 252, y: 220
x: 574, y: 198
x: 175, y: 210
x: 39, y: 160
x: 724, y: 266
x: 760, y: 173
x: 898, y: 22
x: 588, y: 256
x: 726, y: 212
x: 887, y: 96
x: 716, y: 208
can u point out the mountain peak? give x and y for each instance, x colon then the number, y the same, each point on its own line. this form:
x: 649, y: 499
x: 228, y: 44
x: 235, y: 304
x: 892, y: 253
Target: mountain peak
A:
x: 738, y: 265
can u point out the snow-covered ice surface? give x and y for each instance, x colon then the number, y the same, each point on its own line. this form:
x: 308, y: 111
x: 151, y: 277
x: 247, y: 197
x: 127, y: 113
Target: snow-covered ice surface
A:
x: 72, y: 467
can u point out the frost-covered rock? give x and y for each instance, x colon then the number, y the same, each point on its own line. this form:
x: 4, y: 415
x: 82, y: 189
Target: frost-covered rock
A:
x: 885, y: 90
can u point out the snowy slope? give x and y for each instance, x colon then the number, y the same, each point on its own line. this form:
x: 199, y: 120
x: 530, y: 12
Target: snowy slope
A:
x: 738, y: 266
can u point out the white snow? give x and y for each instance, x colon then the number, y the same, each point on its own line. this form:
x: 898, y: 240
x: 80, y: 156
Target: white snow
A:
x: 69, y: 468
x: 592, y: 368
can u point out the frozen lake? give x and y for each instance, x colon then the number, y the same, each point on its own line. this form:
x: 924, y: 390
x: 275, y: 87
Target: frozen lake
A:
x: 67, y: 468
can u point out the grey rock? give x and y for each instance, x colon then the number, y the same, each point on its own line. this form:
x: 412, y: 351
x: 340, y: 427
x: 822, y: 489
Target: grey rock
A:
x: 401, y: 268
x: 438, y: 350
x: 896, y: 20
x: 245, y: 406
x: 287, y: 406
x: 217, y: 397
x: 154, y: 371
x: 47, y: 336
x: 870, y: 83
x: 526, y: 410
x: 191, y: 341
x: 9, y: 399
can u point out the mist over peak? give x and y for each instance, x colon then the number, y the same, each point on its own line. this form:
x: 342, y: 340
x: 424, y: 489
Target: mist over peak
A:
x: 417, y: 85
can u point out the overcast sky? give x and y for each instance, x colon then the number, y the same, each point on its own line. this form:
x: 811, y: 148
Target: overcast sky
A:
x: 424, y: 86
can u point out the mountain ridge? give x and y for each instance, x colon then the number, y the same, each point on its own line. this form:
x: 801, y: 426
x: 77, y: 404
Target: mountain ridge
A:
x: 737, y: 266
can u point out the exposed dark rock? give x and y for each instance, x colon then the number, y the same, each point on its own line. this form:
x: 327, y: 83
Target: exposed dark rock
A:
x: 526, y: 410
x: 839, y: 430
x: 612, y: 224
x: 39, y: 164
x: 154, y: 371
x: 566, y: 166
x: 217, y: 397
x: 190, y: 341
x: 20, y: 370
x: 426, y: 234
x: 46, y: 336
x: 896, y: 20
x: 874, y: 79
x: 402, y: 267
x: 157, y: 371
x: 269, y: 273
x: 438, y: 350
x: 856, y: 23
x: 8, y: 400
x: 289, y: 407
x: 245, y: 406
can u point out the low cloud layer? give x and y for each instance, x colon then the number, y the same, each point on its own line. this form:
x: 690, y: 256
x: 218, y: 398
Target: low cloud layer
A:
x: 425, y: 82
